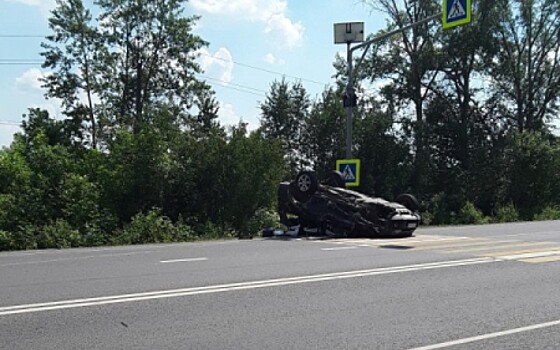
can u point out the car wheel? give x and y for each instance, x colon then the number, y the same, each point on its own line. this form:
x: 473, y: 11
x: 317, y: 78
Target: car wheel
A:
x: 305, y: 185
x: 409, y: 201
x: 335, y: 179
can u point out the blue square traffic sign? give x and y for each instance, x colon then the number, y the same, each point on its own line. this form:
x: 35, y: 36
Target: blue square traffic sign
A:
x: 456, y: 12
x: 350, y: 169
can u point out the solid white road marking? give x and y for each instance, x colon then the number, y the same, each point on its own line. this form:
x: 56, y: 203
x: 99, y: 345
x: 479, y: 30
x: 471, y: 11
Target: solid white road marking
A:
x: 76, y: 303
x: 489, y: 336
x: 183, y: 260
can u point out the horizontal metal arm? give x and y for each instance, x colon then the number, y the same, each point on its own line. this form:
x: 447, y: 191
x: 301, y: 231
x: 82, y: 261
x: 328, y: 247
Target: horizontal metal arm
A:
x: 368, y: 43
x: 398, y: 30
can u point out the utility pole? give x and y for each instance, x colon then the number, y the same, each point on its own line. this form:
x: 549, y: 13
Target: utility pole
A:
x: 350, y: 100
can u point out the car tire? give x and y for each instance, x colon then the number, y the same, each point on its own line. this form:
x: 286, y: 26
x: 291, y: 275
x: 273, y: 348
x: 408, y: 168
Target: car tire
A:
x: 409, y: 201
x: 305, y: 185
x: 335, y: 179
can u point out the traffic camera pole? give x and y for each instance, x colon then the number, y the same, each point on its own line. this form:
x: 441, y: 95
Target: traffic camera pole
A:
x: 349, y: 103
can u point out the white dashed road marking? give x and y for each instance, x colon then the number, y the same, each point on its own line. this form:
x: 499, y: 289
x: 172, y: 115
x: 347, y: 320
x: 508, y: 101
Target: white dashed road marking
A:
x: 183, y: 260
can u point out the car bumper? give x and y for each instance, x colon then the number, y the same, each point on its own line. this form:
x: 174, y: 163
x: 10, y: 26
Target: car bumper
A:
x: 402, y: 223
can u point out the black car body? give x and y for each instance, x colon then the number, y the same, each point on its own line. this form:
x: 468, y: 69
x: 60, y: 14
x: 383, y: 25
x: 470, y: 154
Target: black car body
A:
x: 329, y: 206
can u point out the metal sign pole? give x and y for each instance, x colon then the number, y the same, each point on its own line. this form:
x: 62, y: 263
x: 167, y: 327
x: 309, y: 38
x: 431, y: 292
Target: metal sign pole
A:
x: 350, y: 99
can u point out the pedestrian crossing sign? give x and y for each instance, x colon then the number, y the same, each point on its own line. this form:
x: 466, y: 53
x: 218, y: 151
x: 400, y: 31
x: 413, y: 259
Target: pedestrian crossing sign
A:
x: 456, y: 12
x: 350, y: 169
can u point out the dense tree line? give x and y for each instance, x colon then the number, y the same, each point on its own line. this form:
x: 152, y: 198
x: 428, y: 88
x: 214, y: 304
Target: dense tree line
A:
x: 140, y: 156
x: 462, y: 120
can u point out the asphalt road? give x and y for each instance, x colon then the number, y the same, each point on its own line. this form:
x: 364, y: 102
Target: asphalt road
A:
x: 472, y: 287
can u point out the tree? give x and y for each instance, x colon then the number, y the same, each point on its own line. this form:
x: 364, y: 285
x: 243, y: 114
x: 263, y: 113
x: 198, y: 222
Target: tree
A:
x: 462, y: 134
x: 526, y: 69
x: 385, y: 158
x: 57, y: 132
x: 408, y: 61
x: 136, y: 57
x: 461, y: 59
x: 533, y: 165
x: 255, y: 166
x: 323, y: 132
x: 73, y: 54
x: 283, y: 115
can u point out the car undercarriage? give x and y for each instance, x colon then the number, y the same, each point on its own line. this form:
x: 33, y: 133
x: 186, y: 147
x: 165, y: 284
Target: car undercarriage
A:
x: 332, y: 209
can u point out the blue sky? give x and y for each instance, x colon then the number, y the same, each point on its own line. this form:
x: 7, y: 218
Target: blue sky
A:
x: 251, y: 44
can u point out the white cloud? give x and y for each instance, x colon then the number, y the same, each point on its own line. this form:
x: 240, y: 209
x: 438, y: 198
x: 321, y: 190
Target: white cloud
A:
x: 7, y: 134
x: 283, y: 29
x: 29, y: 80
x: 218, y: 66
x: 271, y: 59
x: 228, y: 117
x: 52, y: 106
x: 248, y: 9
x: 29, y: 2
x: 272, y: 13
x: 29, y: 83
x: 44, y: 5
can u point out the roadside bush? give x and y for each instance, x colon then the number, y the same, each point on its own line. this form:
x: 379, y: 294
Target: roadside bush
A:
x: 25, y: 237
x: 79, y: 200
x: 548, y: 213
x: 7, y: 209
x: 94, y: 236
x: 153, y: 227
x: 210, y: 230
x: 438, y: 210
x: 149, y: 228
x: 6, y: 242
x: 119, y: 238
x: 60, y: 234
x: 100, y: 229
x: 263, y: 218
x: 183, y: 231
x: 507, y: 213
x: 427, y: 218
x: 470, y: 215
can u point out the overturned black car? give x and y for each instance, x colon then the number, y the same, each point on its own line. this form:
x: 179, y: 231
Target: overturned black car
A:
x: 330, y: 207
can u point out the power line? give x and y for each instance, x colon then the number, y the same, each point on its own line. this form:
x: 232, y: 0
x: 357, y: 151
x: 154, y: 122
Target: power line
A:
x: 233, y: 86
x: 264, y: 70
x: 19, y: 59
x: 260, y: 91
x: 241, y: 90
x: 18, y: 63
x: 202, y: 54
x: 254, y: 91
x: 21, y: 36
x: 9, y: 122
